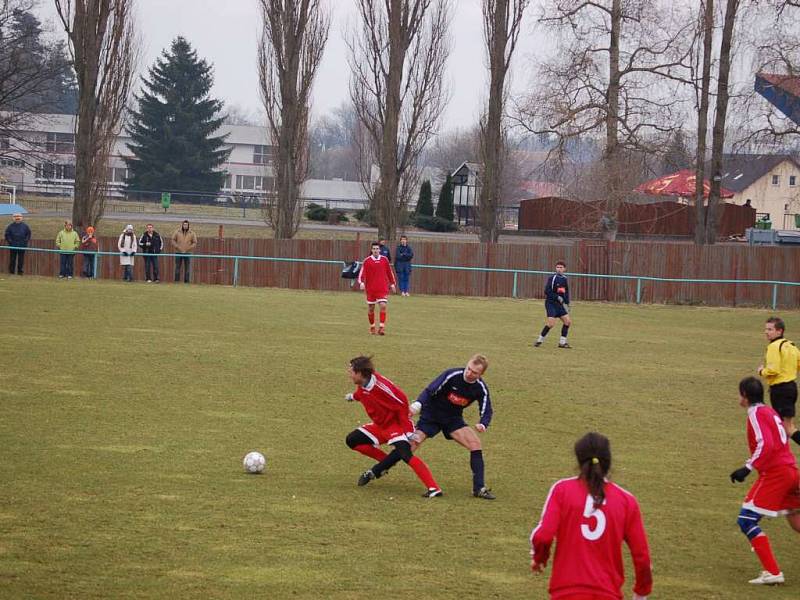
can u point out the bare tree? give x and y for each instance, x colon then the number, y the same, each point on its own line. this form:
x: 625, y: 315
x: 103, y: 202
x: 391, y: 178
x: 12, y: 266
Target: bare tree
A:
x: 702, y: 122
x: 31, y: 73
x: 332, y: 140
x: 104, y: 51
x: 451, y: 148
x: 502, y: 20
x: 720, y: 119
x: 292, y: 41
x: 397, y: 58
x: 610, y: 75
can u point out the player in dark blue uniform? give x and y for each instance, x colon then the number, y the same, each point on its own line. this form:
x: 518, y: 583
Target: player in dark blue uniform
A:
x: 441, y: 406
x: 556, y: 303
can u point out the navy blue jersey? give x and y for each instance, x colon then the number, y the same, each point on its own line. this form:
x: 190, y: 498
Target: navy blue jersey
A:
x: 555, y: 282
x: 449, y: 394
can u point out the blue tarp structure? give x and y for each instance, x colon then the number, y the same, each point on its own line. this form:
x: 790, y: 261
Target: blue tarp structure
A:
x: 10, y: 209
x: 782, y: 91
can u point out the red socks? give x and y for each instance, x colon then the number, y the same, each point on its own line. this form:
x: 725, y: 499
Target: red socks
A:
x: 371, y: 317
x: 423, y: 472
x: 761, y: 545
x: 371, y: 451
x: 384, y: 314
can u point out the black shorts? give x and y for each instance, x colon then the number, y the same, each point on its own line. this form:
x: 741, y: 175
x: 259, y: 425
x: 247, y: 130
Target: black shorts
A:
x: 431, y: 425
x: 554, y: 310
x: 783, y: 398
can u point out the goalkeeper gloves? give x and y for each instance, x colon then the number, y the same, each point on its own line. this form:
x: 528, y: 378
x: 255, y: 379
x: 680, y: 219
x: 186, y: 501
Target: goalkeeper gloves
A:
x: 349, y: 397
x: 561, y: 299
x: 415, y: 408
x: 740, y: 474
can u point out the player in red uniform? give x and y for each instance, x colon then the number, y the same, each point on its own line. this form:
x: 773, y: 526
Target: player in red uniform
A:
x: 387, y: 406
x: 376, y: 277
x: 590, y: 517
x: 777, y: 489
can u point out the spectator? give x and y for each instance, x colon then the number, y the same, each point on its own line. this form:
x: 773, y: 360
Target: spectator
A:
x: 385, y: 250
x: 151, y: 245
x: 17, y: 234
x: 67, y: 241
x: 402, y: 264
x: 89, y: 247
x: 128, y: 247
x: 184, y: 241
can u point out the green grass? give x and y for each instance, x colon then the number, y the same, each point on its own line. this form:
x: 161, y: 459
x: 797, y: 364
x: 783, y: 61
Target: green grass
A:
x: 126, y: 409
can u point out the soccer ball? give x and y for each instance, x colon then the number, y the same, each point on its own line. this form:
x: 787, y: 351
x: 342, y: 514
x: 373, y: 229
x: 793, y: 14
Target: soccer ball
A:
x: 254, y: 463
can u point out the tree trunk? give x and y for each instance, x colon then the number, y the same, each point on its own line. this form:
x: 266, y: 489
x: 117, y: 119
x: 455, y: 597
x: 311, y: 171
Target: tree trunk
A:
x: 492, y: 134
x: 702, y: 125
x: 611, y: 156
x: 718, y: 142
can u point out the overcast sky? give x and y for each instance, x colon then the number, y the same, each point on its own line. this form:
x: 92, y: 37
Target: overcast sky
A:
x: 226, y: 34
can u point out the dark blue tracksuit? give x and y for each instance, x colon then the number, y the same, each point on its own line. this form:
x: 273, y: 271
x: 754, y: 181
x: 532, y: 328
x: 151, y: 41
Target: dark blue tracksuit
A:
x: 554, y: 307
x: 402, y: 265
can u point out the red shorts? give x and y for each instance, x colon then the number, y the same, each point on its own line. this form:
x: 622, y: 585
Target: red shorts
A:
x: 380, y: 436
x: 374, y: 296
x: 775, y: 492
x: 582, y: 597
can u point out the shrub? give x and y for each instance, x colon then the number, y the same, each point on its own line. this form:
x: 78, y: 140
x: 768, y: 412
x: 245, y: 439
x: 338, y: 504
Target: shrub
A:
x: 315, y: 212
x: 434, y: 223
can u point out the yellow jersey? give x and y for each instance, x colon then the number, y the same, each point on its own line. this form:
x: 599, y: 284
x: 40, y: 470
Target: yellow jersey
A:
x: 780, y: 362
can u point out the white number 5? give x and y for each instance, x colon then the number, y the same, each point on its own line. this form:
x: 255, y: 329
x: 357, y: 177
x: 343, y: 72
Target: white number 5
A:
x: 590, y: 512
x: 781, y: 430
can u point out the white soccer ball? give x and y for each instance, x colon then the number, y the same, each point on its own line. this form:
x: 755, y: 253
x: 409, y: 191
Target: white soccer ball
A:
x: 254, y: 463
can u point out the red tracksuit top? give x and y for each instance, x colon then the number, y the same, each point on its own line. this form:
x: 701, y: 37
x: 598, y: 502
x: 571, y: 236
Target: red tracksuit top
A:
x: 769, y: 444
x: 376, y: 274
x: 588, y: 557
x: 385, y: 403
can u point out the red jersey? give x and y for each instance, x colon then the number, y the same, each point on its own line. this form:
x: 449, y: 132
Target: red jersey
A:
x: 769, y: 444
x: 385, y: 403
x: 376, y: 274
x: 588, y: 558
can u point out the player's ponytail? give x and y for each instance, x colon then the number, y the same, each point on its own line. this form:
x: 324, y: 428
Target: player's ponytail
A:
x: 593, y: 452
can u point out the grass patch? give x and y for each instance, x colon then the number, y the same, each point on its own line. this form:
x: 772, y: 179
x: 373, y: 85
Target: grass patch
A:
x: 126, y: 411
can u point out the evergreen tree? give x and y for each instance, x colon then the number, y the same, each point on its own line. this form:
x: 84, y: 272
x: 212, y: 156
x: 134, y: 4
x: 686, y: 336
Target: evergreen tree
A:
x: 172, y: 132
x: 444, y: 207
x: 425, y: 201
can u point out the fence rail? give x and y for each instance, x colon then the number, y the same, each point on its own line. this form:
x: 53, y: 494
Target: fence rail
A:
x: 265, y: 271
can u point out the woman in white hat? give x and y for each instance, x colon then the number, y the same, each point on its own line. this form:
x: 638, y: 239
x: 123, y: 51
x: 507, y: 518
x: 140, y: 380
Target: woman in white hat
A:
x: 128, y: 247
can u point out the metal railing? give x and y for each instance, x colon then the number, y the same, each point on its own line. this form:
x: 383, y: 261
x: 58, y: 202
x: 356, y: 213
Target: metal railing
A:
x: 516, y: 273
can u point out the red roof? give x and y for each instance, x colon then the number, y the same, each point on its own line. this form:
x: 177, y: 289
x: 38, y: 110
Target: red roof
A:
x: 680, y: 184
x: 787, y: 83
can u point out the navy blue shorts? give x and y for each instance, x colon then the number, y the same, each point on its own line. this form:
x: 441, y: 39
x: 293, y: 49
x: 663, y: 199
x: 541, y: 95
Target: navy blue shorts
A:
x: 430, y: 425
x: 555, y: 309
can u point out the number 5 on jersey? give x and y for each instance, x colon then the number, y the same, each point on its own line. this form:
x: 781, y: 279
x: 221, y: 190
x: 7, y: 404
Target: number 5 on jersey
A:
x: 593, y: 531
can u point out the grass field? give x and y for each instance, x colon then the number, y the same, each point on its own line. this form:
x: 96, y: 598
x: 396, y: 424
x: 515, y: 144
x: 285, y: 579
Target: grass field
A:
x: 126, y: 409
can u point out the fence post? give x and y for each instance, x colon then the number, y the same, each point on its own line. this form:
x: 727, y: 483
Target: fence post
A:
x: 514, y: 291
x: 774, y: 296
x: 94, y: 266
x: 639, y: 291
x: 235, y: 270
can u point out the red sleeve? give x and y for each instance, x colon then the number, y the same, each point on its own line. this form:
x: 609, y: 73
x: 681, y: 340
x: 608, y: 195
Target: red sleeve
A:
x: 391, y: 397
x: 362, y: 272
x: 389, y: 272
x: 763, y: 430
x: 636, y: 539
x: 544, y: 533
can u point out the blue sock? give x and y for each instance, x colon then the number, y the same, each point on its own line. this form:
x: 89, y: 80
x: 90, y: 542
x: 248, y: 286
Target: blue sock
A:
x: 476, y: 464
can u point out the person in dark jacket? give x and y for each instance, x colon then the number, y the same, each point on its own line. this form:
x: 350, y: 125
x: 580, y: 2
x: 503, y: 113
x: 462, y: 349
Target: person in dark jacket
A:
x: 151, y: 246
x: 88, y: 247
x: 385, y: 250
x: 556, y: 305
x: 17, y: 234
x: 402, y: 264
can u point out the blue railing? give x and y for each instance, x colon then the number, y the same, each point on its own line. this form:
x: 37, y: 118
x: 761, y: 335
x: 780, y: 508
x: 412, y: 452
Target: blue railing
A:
x: 639, y: 279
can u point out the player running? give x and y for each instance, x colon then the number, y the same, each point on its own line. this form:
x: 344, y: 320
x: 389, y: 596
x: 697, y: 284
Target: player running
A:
x: 590, y: 517
x: 777, y: 489
x: 376, y: 277
x: 441, y: 406
x: 556, y: 305
x: 387, y: 406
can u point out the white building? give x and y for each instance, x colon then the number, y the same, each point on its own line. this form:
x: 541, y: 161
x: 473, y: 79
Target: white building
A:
x: 50, y: 168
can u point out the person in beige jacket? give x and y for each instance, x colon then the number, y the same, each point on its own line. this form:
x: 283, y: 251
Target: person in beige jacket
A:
x: 184, y: 241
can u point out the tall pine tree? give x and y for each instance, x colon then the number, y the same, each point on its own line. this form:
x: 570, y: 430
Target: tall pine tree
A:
x: 444, y: 207
x: 425, y: 201
x: 173, y: 145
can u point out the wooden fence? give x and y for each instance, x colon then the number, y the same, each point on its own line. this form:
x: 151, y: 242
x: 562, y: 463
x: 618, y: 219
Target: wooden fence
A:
x: 663, y: 260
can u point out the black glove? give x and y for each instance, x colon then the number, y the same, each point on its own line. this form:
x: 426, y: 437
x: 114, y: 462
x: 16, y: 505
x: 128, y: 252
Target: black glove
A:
x: 740, y: 475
